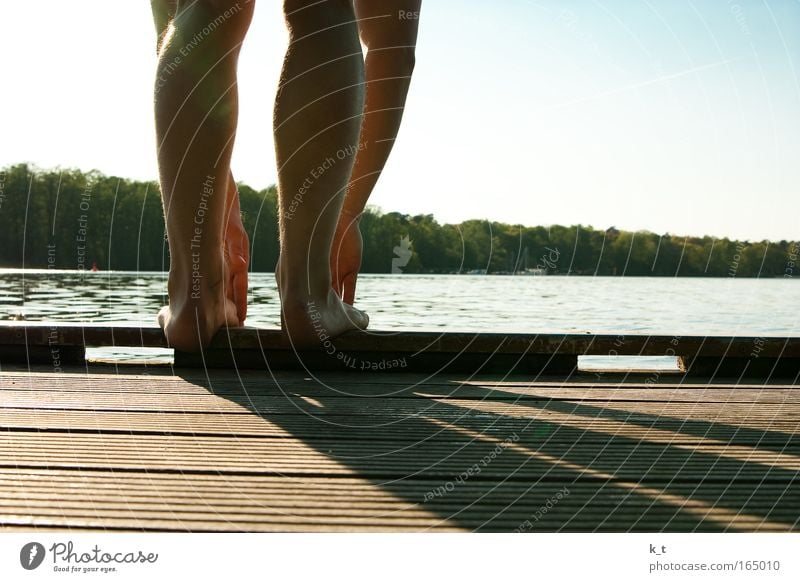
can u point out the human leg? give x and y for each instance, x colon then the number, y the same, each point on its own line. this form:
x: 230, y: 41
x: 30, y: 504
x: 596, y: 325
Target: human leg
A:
x: 196, y: 106
x: 389, y: 32
x: 317, y: 123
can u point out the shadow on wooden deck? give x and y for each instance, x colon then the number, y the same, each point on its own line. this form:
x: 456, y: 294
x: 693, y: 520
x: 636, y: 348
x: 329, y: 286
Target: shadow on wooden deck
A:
x: 504, y: 461
x: 225, y: 450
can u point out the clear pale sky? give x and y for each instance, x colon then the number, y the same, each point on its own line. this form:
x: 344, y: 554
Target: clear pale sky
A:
x: 667, y: 115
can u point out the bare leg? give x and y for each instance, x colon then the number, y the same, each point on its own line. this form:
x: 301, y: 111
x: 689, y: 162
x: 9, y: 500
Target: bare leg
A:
x: 317, y: 122
x: 196, y: 108
x: 236, y: 244
x: 163, y: 14
x: 389, y: 31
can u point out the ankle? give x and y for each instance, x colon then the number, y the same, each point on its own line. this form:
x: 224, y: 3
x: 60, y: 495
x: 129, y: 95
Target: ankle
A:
x: 301, y: 298
x: 300, y: 285
x: 351, y: 214
x: 197, y: 275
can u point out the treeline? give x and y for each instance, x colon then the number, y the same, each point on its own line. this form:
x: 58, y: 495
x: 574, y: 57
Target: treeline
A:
x: 68, y: 219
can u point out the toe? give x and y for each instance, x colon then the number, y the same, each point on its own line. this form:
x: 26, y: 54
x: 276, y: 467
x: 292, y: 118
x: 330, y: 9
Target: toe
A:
x: 358, y: 318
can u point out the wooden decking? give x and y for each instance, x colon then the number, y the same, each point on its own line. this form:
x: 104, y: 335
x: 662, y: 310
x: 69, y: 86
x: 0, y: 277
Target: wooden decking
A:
x: 156, y: 448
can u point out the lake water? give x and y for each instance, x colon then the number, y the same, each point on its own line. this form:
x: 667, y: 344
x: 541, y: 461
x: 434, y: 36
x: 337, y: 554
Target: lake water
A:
x: 657, y: 305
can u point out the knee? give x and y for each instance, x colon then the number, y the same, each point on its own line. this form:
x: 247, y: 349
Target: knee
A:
x: 395, y: 60
x: 230, y: 18
x: 308, y: 16
x: 391, y: 42
x: 405, y: 58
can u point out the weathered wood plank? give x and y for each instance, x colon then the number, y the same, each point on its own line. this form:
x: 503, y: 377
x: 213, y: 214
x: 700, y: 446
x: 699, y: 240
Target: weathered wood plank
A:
x: 55, y: 356
x: 163, y: 381
x: 246, y: 338
x: 624, y: 458
x: 779, y: 422
x: 262, y: 503
x: 47, y: 333
x: 256, y: 519
x: 277, y: 400
x: 230, y: 487
x: 360, y: 361
x: 54, y: 343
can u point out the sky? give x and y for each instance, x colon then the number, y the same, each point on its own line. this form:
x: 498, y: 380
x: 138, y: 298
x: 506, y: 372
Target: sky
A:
x: 664, y: 115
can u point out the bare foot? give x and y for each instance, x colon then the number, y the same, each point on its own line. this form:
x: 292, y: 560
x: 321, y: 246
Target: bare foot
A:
x: 196, y: 311
x: 309, y: 321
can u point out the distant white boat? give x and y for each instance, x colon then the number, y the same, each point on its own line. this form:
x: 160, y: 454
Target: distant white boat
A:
x: 532, y: 272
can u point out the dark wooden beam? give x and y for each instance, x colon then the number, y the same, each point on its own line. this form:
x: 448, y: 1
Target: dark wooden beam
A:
x: 418, y: 351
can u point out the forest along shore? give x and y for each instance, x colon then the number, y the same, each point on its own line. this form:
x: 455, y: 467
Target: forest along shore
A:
x: 67, y: 219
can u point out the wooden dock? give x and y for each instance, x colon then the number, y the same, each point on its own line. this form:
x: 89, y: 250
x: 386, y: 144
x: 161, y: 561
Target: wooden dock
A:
x: 162, y: 448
